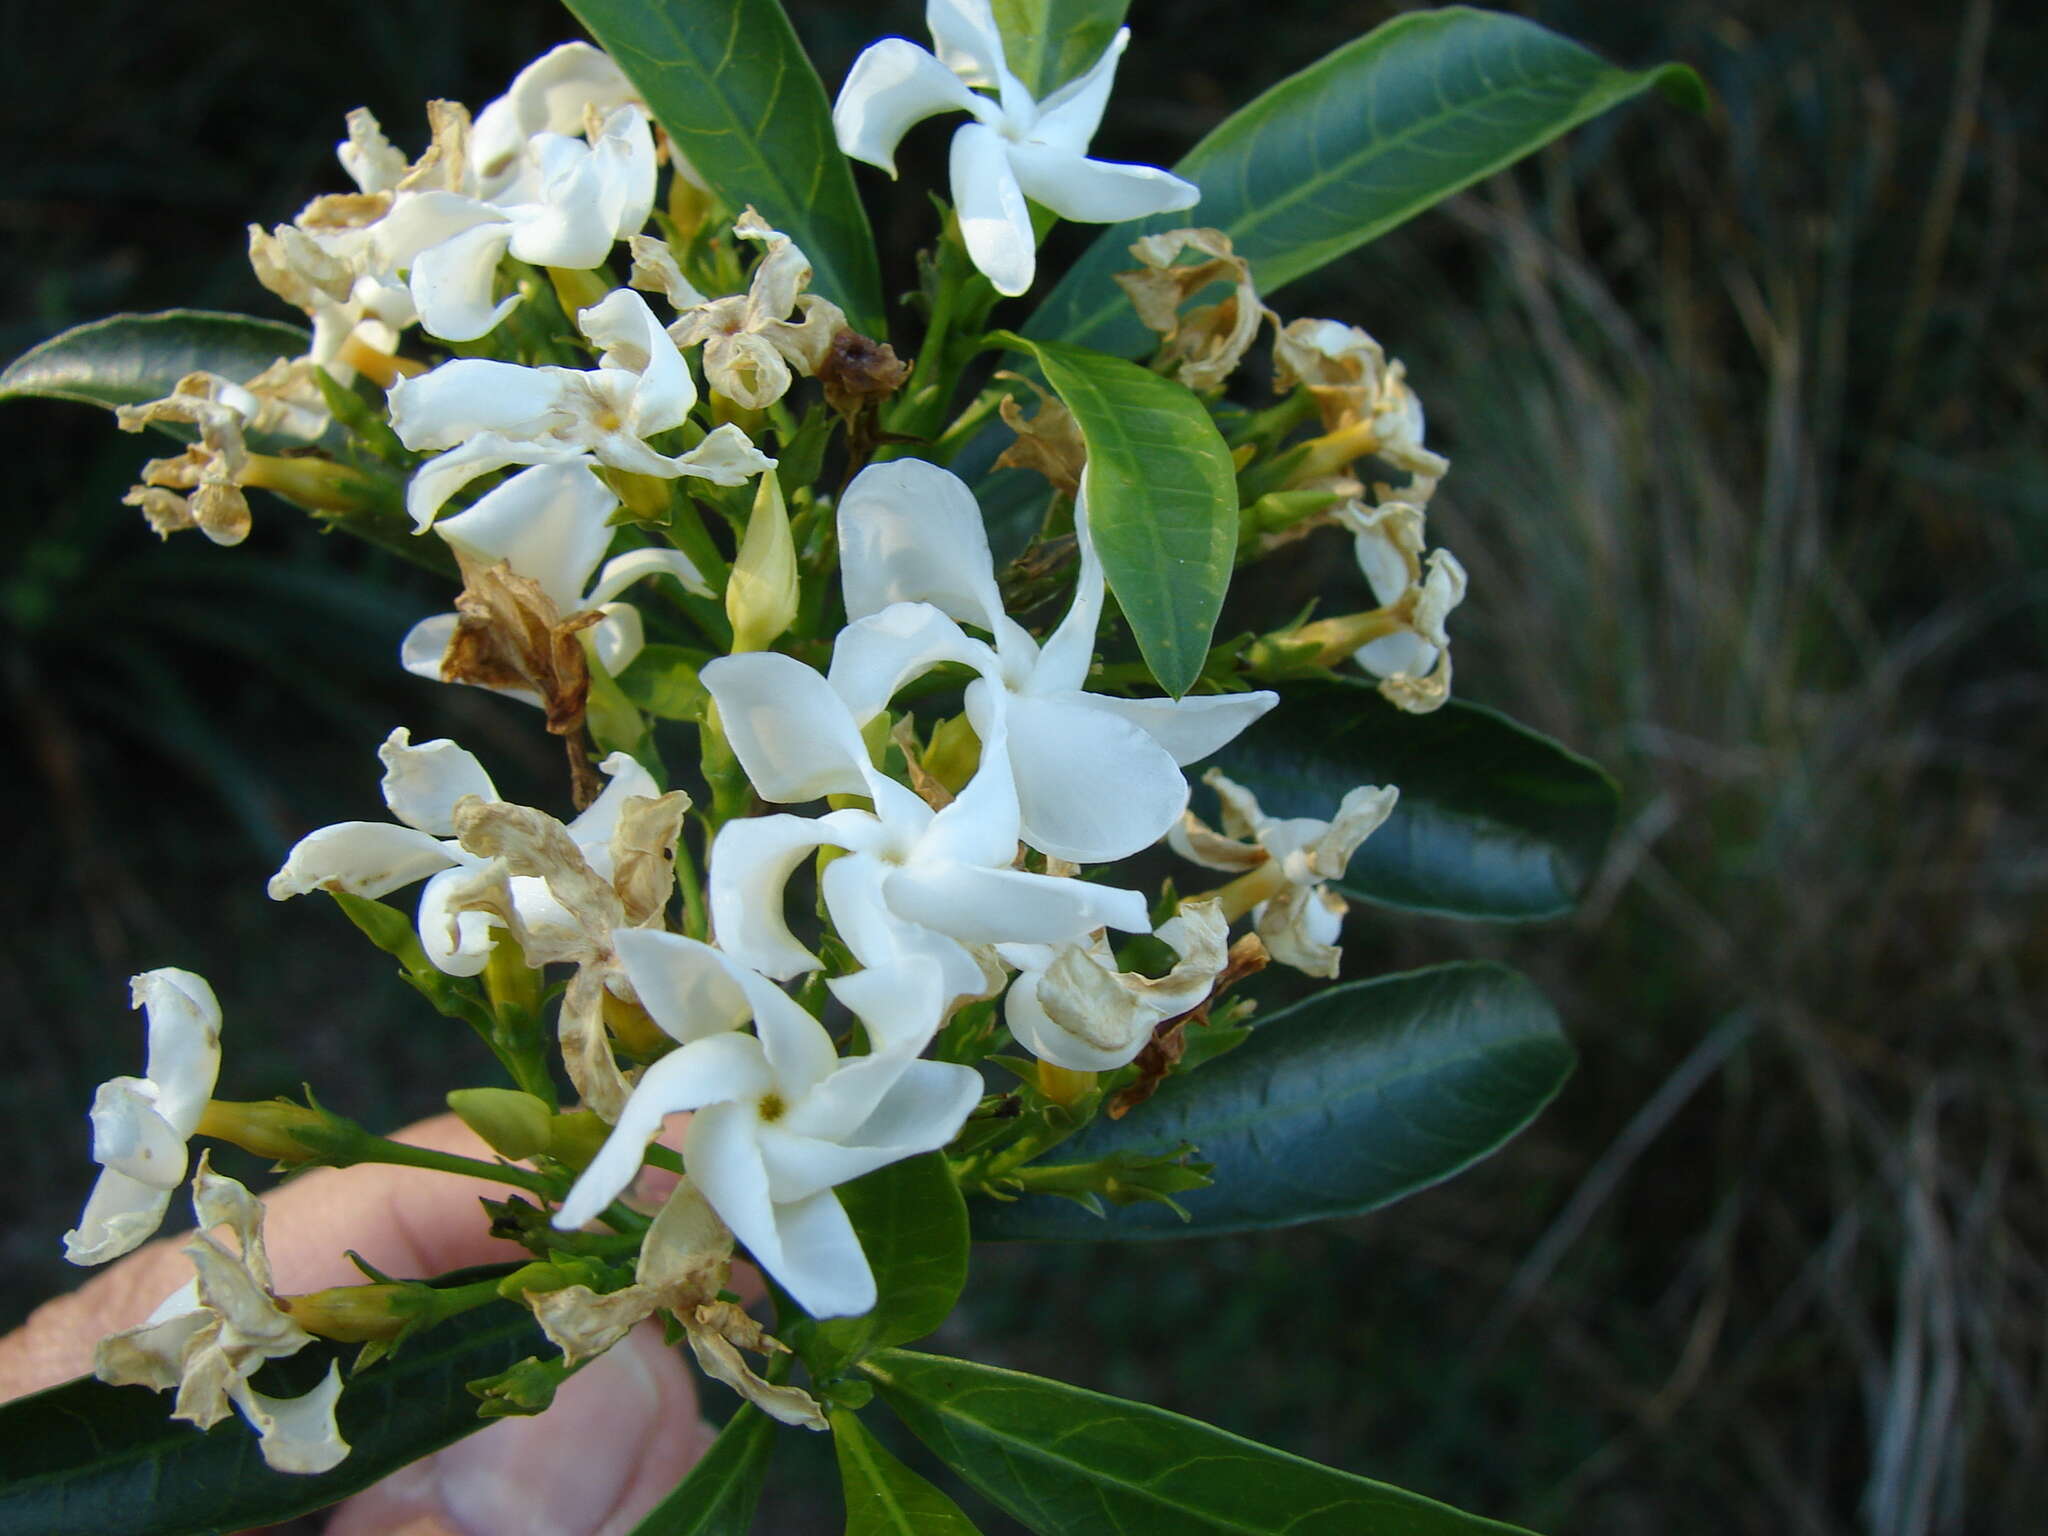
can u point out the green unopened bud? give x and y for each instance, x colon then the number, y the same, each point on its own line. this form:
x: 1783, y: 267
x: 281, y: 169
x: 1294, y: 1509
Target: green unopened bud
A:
x: 319, y: 484
x: 761, y: 592
x: 1064, y: 1086
x: 273, y: 1129
x: 689, y: 200
x: 953, y: 754
x: 645, y: 496
x: 1326, y: 642
x: 635, y: 1028
x: 577, y: 289
x: 514, y: 1124
x: 355, y: 1314
x: 575, y: 1138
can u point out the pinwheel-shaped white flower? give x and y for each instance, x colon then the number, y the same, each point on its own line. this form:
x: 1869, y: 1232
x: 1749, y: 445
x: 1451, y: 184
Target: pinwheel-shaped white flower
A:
x: 209, y: 1338
x: 140, y: 1125
x: 562, y: 202
x: 914, y: 559
x: 914, y: 883
x: 422, y: 785
x: 1413, y: 662
x: 1287, y: 861
x: 780, y: 1118
x: 1072, y: 1007
x: 1015, y: 148
x: 486, y: 415
x: 549, y: 524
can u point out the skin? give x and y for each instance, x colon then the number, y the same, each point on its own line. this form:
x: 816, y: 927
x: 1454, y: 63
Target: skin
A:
x: 620, y: 1435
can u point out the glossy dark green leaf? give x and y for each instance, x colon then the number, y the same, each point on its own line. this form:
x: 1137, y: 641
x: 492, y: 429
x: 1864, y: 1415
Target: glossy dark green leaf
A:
x: 87, y: 1459
x: 1495, y: 820
x: 913, y: 1225
x: 1363, y: 139
x: 1162, y: 501
x: 739, y: 98
x: 130, y: 359
x: 883, y: 1496
x: 1069, y: 1462
x: 719, y: 1495
x: 1046, y: 43
x: 1350, y: 1099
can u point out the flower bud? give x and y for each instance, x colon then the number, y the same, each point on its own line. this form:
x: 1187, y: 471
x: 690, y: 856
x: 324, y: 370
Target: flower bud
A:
x: 761, y: 593
x: 514, y: 1124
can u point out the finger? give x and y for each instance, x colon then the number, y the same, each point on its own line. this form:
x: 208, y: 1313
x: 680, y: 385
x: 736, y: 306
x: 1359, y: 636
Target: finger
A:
x: 622, y: 1432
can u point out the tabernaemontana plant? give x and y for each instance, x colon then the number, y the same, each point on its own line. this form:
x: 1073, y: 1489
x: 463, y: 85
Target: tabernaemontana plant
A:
x: 879, y: 640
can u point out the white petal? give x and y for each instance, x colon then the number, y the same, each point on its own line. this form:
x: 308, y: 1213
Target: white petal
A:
x: 686, y: 987
x: 712, y: 1071
x: 1404, y: 654
x: 892, y: 86
x: 792, y: 734
x: 726, y: 457
x: 876, y: 656
x: 634, y: 565
x: 1094, y: 191
x: 548, y: 521
x: 981, y: 825
x: 441, y: 477
x: 551, y: 94
x: 882, y: 941
x: 568, y: 222
x: 120, y: 1216
x: 800, y: 1166
x: 622, y: 160
x: 967, y: 40
x: 420, y: 221
x: 995, y: 221
x: 912, y: 532
x: 1193, y: 727
x: 724, y: 1163
x: 1065, y: 754
x: 184, y: 1042
x: 751, y: 861
x: 594, y: 827
x: 470, y: 395
x: 617, y: 638
x: 460, y: 943
x: 422, y: 783
x: 822, y: 1263
x: 298, y: 1434
x: 1068, y: 118
x: 452, y: 283
x: 799, y: 1051
x: 634, y: 341
x: 996, y: 906
x: 426, y: 645
x: 923, y: 1109
x: 1070, y: 649
x: 364, y: 858
x: 129, y: 1136
x: 899, y: 1006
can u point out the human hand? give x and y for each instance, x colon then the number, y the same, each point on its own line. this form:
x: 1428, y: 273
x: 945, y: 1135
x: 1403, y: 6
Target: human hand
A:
x: 620, y: 1434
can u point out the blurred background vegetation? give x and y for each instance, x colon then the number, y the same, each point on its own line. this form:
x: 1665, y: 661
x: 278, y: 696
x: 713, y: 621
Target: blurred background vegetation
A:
x: 1747, y: 418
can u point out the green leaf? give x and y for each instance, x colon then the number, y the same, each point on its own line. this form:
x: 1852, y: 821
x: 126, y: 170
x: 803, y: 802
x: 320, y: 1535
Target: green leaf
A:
x: 1162, y: 501
x: 85, y: 1459
x: 1495, y: 820
x: 731, y: 84
x: 1077, y: 1463
x: 719, y: 1495
x: 1362, y: 140
x: 1349, y: 1100
x: 883, y: 1496
x: 1046, y: 43
x: 913, y: 1225
x: 663, y: 680
x: 130, y: 359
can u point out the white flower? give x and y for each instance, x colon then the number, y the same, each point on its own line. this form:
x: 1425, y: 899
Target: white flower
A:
x: 780, y: 1118
x: 549, y: 523
x: 562, y: 202
x: 750, y: 343
x: 140, y: 1125
x: 1414, y: 661
x: 914, y: 883
x: 488, y: 414
x: 1072, y: 1007
x: 1015, y: 148
x: 209, y: 1338
x: 915, y: 558
x: 421, y: 786
x: 556, y: 93
x: 1298, y: 917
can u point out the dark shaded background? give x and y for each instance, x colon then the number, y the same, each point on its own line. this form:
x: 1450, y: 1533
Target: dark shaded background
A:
x: 1746, y: 416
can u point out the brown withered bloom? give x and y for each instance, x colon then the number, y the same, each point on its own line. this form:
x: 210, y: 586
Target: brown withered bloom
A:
x: 1049, y: 442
